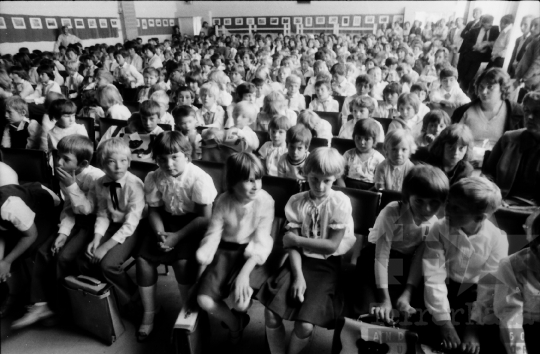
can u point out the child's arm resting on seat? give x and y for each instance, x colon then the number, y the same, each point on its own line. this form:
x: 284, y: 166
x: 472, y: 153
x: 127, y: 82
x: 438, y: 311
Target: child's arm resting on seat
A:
x: 210, y: 242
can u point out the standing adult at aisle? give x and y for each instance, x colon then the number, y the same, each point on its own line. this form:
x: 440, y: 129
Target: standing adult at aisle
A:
x: 475, y: 23
x: 454, y: 40
x: 521, y: 44
x: 528, y: 69
x: 65, y: 39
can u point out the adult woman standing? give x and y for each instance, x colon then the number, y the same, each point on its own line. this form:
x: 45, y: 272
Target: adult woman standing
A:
x: 492, y: 113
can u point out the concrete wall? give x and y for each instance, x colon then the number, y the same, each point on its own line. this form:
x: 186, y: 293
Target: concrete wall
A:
x: 58, y: 8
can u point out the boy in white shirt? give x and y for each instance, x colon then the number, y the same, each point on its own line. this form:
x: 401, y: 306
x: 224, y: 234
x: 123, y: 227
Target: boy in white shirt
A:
x: 125, y: 73
x: 211, y: 114
x: 324, y: 101
x: 363, y: 85
x: 340, y: 85
x: 378, y: 85
x: 74, y: 80
x: 466, y: 248
x: 271, y: 151
x: 161, y: 98
x: 244, y: 114
x: 295, y: 100
x: 449, y: 95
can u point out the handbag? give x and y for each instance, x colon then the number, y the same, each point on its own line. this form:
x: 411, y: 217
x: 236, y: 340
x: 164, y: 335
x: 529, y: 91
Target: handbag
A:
x: 359, y: 337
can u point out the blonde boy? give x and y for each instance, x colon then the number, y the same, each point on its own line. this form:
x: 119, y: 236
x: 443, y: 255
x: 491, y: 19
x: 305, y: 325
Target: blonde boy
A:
x: 74, y: 80
x: 245, y: 114
x: 161, y: 98
x: 295, y: 100
x: 211, y: 114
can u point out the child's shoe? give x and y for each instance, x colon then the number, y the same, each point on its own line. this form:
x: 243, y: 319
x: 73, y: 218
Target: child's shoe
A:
x: 36, y: 313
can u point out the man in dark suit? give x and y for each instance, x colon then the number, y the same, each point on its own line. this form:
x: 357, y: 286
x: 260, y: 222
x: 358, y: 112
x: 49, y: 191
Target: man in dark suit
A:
x: 475, y: 23
x: 476, y: 49
x: 521, y: 44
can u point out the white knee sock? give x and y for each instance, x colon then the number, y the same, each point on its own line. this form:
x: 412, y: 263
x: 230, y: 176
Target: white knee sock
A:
x: 297, y: 344
x: 276, y: 339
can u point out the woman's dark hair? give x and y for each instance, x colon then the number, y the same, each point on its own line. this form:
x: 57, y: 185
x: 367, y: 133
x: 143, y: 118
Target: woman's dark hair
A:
x: 495, y: 76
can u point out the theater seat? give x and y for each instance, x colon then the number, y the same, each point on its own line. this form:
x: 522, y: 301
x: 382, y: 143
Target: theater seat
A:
x: 106, y: 123
x: 216, y: 170
x: 281, y: 189
x: 387, y: 197
x: 90, y: 126
x: 385, y: 122
x: 340, y: 100
x: 342, y: 145
x: 262, y: 136
x: 317, y: 143
x: 141, y: 168
x: 333, y: 119
x: 30, y: 165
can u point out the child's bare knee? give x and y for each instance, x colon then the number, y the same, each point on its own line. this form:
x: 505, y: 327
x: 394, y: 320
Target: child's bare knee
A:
x: 205, y: 302
x: 303, y: 329
x: 271, y: 319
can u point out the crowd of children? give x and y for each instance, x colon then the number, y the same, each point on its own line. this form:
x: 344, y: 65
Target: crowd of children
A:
x: 397, y: 94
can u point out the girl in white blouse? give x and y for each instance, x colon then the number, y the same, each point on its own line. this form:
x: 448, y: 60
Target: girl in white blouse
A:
x: 180, y: 196
x: 237, y: 240
x: 398, y: 235
x: 320, y: 231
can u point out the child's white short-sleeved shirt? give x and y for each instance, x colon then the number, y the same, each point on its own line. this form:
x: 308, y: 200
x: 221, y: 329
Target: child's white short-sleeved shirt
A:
x: 360, y: 170
x: 271, y: 155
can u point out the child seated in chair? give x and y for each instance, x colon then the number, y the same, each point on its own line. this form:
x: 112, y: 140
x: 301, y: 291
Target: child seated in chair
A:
x: 63, y: 112
x: 274, y: 105
x: 211, y: 114
x: 186, y: 123
x: 295, y: 100
x: 462, y: 254
x: 398, y: 147
x: 361, y: 108
x: 421, y: 90
x: 516, y: 301
x: 377, y: 84
x: 362, y: 161
x: 55, y: 258
x: 389, y: 109
x: 319, y: 127
x: 324, y: 101
x: 340, y: 85
x: 408, y: 106
x: 271, y: 151
x: 20, y: 132
x: 110, y: 100
x: 449, y: 95
x: 120, y: 207
x: 363, y: 85
x: 244, y: 114
x: 140, y: 132
x: 150, y: 77
x: 74, y: 80
x: 162, y: 99
x: 291, y: 164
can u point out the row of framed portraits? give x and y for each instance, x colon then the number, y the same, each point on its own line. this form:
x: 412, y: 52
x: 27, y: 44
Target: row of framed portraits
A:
x: 50, y: 23
x: 342, y: 20
x: 158, y: 22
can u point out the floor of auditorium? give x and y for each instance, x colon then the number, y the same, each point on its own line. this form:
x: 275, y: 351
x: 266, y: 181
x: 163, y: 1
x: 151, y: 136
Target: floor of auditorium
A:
x: 63, y: 339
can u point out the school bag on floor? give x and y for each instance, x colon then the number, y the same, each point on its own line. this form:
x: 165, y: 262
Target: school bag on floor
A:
x: 94, y: 307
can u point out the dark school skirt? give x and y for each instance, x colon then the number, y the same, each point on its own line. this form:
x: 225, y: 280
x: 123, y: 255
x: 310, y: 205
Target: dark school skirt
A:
x: 185, y: 249
x: 323, y: 302
x: 217, y: 281
x: 365, y: 289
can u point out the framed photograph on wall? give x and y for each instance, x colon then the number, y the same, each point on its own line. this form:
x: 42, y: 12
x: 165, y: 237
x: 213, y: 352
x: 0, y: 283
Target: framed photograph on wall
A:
x: 103, y: 23
x: 171, y: 22
x: 357, y: 21
x: 397, y: 18
x: 370, y: 20
x: 138, y: 23
x: 250, y: 21
x: 239, y: 21
x: 79, y: 23
x: 345, y: 21
x: 151, y: 22
x: 332, y: 20
x: 144, y: 24
x: 165, y: 22
x: 66, y: 22
x: 92, y: 23
x: 320, y: 20
x: 18, y: 22
x: 115, y: 23
x: 51, y: 23
x: 309, y: 21
x: 274, y: 21
x: 383, y: 19
x: 297, y: 20
x: 217, y: 21
x: 35, y: 23
x: 261, y: 21
x: 285, y: 20
x: 227, y: 21
x: 158, y: 22
x: 2, y: 23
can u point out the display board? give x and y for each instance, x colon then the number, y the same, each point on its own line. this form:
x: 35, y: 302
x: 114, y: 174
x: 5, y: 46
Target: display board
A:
x: 155, y: 26
x: 30, y: 28
x: 307, y: 24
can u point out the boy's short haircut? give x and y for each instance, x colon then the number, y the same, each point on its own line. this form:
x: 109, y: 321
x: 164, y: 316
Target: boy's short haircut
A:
x: 390, y: 61
x: 326, y: 161
x: 111, y: 146
x: 150, y: 47
x: 362, y: 102
x: 19, y: 71
x: 323, y: 83
x: 237, y: 68
x: 406, y: 79
x: 151, y: 71
x: 318, y: 64
x: 338, y: 69
x: 363, y: 80
x: 509, y: 19
x: 207, y: 62
x: 211, y: 88
x: 479, y: 195
x: 239, y: 167
x: 194, y: 76
x: 292, y: 77
x: 409, y: 98
x: 279, y: 122
x: 72, y: 65
x: 435, y: 116
x: 60, y: 107
x: 451, y: 135
x: 425, y: 181
x: 124, y: 53
x: 367, y: 127
x: 149, y: 108
x: 308, y: 59
x: 171, y: 142
x: 180, y: 112
x: 419, y: 86
x: 79, y: 145
x: 397, y: 136
x: 18, y: 104
x: 186, y: 89
x: 46, y: 69
x: 245, y: 88
x: 248, y: 109
x: 448, y: 71
x: 298, y: 134
x: 160, y: 95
